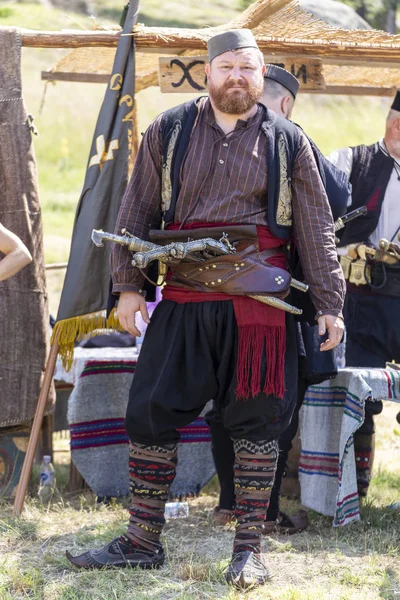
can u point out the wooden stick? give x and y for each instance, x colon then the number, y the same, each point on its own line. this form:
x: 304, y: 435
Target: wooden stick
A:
x: 34, y: 437
x: 173, y: 40
x: 69, y: 39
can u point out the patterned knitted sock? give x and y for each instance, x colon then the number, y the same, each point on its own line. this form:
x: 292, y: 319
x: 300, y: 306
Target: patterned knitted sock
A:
x: 255, y: 467
x: 363, y: 449
x: 151, y: 470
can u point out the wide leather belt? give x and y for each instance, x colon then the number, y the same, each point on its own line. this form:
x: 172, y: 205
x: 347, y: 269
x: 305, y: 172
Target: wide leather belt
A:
x: 245, y: 272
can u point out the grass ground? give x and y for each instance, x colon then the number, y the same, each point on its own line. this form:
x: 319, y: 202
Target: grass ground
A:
x: 357, y: 562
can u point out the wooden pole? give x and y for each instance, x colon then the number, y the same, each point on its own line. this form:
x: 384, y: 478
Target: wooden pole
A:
x: 173, y: 40
x: 69, y: 39
x: 34, y: 437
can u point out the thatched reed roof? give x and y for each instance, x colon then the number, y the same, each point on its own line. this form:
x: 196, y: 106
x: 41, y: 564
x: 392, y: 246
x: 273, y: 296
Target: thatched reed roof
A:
x: 287, y: 30
x: 292, y: 23
x: 281, y: 27
x: 361, y: 80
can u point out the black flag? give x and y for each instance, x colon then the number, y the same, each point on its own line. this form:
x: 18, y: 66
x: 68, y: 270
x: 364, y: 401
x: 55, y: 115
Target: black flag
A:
x: 86, y: 287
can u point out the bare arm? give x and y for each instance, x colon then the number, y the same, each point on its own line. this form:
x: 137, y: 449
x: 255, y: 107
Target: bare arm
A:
x: 16, y: 254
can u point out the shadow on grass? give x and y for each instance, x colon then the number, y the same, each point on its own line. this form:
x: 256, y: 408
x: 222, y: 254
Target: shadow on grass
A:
x: 378, y: 531
x: 119, y: 586
x: 390, y: 586
x: 18, y: 529
x: 90, y: 536
x: 385, y: 479
x: 190, y: 579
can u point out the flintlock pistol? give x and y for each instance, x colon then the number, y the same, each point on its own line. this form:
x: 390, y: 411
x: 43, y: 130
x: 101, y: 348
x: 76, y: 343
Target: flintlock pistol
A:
x: 193, y: 250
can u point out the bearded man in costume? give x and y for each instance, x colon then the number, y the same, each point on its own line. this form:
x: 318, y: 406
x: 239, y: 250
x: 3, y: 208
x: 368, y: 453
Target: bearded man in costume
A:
x: 204, y: 344
x: 279, y: 95
x: 372, y: 307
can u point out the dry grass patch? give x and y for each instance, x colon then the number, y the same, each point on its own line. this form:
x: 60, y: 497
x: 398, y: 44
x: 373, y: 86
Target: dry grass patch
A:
x: 357, y: 562
x: 321, y: 563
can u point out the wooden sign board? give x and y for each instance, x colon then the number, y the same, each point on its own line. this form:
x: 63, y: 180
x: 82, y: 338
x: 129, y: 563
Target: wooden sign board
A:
x: 182, y: 74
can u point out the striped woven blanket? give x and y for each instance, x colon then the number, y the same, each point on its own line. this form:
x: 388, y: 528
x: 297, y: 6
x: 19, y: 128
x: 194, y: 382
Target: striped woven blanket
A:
x: 331, y: 413
x: 99, y: 443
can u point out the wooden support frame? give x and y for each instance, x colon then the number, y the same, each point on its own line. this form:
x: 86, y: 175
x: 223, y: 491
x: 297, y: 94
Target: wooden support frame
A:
x: 35, y: 432
x: 76, y: 77
x: 175, y: 41
x: 182, y: 74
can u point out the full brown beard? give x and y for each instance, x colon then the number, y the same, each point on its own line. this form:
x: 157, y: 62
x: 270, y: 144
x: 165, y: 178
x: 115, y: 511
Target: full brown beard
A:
x: 237, y: 102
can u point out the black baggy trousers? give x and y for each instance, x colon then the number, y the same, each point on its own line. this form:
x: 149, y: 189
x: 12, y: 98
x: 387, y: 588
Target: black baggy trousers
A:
x: 188, y: 357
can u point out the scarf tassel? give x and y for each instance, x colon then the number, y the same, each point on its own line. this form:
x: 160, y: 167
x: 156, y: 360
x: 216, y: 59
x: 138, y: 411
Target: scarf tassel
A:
x: 68, y: 331
x: 252, y: 341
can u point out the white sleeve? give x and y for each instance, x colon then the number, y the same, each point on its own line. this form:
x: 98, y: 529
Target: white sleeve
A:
x: 342, y: 159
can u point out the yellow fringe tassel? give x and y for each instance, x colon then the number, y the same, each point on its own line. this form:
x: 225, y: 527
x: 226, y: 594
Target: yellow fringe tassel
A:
x: 69, y: 331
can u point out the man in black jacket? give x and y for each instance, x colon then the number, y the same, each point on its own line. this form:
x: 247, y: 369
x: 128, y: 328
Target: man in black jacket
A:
x: 279, y: 94
x: 372, y: 307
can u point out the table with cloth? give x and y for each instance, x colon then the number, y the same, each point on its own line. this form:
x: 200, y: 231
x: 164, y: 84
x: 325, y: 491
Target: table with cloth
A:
x: 99, y: 444
x: 331, y: 413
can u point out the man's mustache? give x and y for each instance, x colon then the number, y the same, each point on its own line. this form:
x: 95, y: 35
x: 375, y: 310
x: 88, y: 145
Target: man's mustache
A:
x: 231, y: 84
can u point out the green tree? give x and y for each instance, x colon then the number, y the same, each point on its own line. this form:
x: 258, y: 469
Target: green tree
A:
x: 380, y: 14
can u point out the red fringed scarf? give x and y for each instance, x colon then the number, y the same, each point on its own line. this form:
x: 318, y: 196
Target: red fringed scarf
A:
x: 258, y: 324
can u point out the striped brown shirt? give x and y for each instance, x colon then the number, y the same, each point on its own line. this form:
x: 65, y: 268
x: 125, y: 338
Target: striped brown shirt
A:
x: 224, y: 179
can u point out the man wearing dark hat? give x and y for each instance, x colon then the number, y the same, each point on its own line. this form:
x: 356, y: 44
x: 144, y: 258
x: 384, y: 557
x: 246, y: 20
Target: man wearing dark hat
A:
x: 279, y: 94
x: 372, y: 307
x: 207, y: 166
x: 280, y: 90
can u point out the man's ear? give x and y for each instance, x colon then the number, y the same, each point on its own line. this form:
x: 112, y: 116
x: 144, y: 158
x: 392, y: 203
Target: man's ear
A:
x: 207, y: 69
x: 285, y: 102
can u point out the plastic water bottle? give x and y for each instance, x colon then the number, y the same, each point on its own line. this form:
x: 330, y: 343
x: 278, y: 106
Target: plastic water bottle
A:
x: 47, y: 480
x: 176, y: 510
x: 142, y: 326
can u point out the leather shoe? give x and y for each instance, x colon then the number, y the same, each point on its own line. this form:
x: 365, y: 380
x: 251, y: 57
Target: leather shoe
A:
x: 223, y: 516
x: 116, y: 554
x: 246, y: 569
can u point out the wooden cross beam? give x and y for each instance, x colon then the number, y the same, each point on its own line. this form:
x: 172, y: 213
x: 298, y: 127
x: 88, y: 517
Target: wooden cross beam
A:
x: 181, y: 74
x: 165, y: 41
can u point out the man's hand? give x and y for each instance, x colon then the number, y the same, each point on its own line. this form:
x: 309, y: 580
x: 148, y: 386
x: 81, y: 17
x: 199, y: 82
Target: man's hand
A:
x: 335, y: 328
x: 128, y: 305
